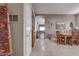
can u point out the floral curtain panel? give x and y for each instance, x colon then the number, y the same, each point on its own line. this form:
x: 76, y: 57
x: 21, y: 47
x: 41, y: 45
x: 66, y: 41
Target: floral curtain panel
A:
x: 5, y: 47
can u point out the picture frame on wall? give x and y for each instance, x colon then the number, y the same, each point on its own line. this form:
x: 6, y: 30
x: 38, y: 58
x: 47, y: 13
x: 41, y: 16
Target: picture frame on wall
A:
x: 60, y: 26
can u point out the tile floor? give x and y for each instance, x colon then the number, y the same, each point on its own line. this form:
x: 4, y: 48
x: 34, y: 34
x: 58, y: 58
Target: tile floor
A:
x: 45, y: 47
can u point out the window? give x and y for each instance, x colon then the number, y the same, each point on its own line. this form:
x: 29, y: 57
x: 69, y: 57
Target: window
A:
x: 13, y: 17
x: 41, y: 27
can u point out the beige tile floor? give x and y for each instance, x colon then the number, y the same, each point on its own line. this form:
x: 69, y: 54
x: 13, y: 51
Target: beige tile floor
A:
x: 45, y: 47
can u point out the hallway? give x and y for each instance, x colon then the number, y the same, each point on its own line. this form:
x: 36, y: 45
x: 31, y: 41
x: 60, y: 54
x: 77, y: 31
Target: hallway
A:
x: 46, y: 47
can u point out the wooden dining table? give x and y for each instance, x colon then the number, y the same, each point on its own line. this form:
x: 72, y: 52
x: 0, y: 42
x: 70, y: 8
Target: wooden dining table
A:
x: 68, y: 37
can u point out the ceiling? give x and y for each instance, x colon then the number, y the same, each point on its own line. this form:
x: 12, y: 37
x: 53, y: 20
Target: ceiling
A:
x: 56, y: 8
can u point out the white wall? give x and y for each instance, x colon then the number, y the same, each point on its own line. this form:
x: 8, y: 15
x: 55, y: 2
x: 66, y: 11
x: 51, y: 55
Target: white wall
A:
x: 77, y: 19
x: 17, y: 28
x: 57, y: 18
x: 27, y: 29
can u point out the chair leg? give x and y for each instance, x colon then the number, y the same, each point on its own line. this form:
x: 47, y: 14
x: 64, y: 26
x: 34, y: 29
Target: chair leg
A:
x: 71, y: 42
x: 77, y: 43
x: 65, y: 42
x: 58, y: 41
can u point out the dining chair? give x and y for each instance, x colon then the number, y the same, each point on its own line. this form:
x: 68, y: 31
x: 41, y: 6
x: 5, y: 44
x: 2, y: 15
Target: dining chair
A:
x: 60, y: 37
x: 68, y: 36
x: 75, y: 38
